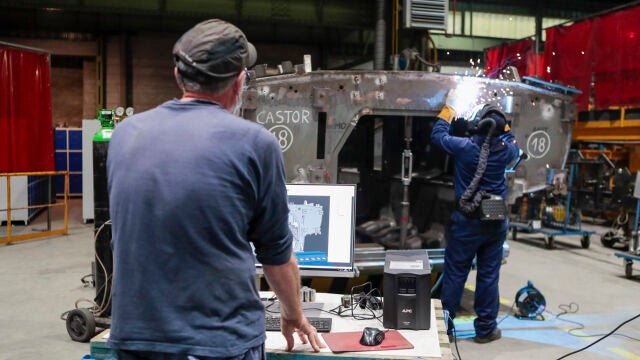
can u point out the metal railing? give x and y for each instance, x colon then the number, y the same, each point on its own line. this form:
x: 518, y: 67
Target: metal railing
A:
x: 49, y: 232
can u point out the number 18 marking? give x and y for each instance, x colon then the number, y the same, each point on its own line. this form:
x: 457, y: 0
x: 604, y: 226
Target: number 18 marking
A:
x: 538, y: 144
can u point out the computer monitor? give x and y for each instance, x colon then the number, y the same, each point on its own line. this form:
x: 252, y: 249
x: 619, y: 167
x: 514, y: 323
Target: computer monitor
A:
x: 322, y: 221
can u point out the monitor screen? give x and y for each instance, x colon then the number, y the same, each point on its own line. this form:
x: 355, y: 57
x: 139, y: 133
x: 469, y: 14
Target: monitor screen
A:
x: 322, y: 221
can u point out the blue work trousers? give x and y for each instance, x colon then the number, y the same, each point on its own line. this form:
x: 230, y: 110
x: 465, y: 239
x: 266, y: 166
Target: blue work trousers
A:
x: 468, y: 238
x: 255, y: 353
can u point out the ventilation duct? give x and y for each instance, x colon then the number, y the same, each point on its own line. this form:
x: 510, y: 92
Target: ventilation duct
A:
x: 426, y: 14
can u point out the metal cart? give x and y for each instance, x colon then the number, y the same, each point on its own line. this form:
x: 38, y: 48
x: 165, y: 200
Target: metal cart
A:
x: 550, y: 227
x: 551, y: 233
x: 627, y: 261
x: 634, y: 247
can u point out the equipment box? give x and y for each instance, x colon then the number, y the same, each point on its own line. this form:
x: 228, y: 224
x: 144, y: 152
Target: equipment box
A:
x: 99, y: 348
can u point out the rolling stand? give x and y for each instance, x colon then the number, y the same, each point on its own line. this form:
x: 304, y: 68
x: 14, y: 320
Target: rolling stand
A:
x: 547, y: 222
x: 634, y: 247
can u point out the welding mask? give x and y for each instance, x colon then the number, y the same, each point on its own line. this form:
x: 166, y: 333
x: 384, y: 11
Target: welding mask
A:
x: 479, y: 120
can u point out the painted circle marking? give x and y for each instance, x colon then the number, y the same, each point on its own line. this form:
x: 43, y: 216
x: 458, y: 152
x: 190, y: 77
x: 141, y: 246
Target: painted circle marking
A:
x: 538, y: 144
x: 284, y: 136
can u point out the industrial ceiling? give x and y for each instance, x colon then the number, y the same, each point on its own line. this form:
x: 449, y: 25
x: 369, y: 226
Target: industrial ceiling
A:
x: 263, y: 20
x: 338, y: 28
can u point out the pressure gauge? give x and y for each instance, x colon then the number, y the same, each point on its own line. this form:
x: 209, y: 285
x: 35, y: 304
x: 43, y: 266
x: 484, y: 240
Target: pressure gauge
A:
x: 129, y: 111
x: 119, y: 111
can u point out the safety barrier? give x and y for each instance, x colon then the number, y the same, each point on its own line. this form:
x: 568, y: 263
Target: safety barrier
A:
x: 49, y: 232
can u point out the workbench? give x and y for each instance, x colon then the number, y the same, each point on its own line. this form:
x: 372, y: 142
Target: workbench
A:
x: 429, y: 344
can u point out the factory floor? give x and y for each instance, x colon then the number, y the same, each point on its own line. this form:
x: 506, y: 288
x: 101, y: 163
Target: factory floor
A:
x: 40, y: 280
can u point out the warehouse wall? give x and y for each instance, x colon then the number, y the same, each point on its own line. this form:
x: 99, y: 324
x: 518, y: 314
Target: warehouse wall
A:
x: 116, y: 72
x: 74, y: 90
x: 89, y: 110
x: 66, y: 96
x: 152, y: 63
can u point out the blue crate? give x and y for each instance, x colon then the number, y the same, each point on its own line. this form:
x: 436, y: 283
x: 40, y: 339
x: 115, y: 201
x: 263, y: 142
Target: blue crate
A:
x: 75, y: 184
x: 75, y: 161
x: 61, y: 139
x: 75, y: 139
x: 61, y: 160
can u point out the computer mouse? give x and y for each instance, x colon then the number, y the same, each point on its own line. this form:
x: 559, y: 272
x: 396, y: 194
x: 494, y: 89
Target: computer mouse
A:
x: 371, y: 336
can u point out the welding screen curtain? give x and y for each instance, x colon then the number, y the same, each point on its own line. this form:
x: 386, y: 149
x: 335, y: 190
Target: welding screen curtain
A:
x: 604, y: 51
x: 26, y: 131
x: 520, y: 54
x: 616, y: 63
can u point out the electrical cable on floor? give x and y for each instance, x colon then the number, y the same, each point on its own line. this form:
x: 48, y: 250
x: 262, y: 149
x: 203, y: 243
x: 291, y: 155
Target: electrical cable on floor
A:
x: 569, y: 309
x: 602, y: 338
x: 88, y: 283
x: 96, y: 309
x: 469, y: 334
x: 104, y: 304
x: 437, y: 284
x: 455, y: 341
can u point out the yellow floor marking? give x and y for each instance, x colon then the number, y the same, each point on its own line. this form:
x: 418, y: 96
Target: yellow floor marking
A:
x: 582, y: 334
x: 470, y: 287
x: 503, y: 301
x: 621, y: 352
x: 624, y: 353
x: 465, y: 318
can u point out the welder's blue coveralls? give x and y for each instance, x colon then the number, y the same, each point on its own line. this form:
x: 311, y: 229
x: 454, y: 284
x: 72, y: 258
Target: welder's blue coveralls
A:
x: 469, y: 237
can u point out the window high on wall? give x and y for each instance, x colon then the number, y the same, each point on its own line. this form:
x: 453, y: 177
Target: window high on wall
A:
x: 493, y: 25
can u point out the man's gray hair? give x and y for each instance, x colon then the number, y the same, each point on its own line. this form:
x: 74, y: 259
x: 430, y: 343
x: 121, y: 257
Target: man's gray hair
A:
x: 214, y: 87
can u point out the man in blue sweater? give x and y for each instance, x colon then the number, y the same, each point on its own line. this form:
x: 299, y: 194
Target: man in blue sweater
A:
x: 191, y: 188
x: 468, y: 236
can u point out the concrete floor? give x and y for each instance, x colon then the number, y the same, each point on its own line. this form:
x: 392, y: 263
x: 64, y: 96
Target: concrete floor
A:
x: 40, y: 279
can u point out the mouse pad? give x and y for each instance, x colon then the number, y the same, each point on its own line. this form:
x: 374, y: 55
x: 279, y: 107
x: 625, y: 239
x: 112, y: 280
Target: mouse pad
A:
x: 350, y: 341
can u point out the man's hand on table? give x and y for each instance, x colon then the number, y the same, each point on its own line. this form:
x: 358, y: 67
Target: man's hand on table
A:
x: 306, y: 332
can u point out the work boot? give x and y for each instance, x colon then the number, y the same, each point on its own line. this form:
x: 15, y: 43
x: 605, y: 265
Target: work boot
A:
x: 494, y: 335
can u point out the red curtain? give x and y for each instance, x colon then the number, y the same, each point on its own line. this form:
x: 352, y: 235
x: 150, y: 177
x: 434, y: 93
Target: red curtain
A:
x: 518, y: 53
x: 26, y: 131
x: 531, y: 65
x: 568, y: 53
x: 604, y: 50
x: 616, y: 64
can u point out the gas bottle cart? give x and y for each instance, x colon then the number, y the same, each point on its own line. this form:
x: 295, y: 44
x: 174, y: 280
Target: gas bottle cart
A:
x: 552, y: 212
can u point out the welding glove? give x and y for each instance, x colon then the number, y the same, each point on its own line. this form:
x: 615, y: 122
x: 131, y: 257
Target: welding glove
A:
x: 448, y: 112
x: 457, y: 123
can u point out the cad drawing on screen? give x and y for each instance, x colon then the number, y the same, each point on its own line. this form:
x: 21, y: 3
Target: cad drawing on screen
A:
x: 322, y: 223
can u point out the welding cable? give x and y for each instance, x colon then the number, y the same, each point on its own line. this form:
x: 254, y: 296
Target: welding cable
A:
x: 455, y: 341
x: 104, y: 304
x: 470, y: 199
x: 602, y: 338
x: 569, y: 309
x: 437, y: 284
x: 97, y: 309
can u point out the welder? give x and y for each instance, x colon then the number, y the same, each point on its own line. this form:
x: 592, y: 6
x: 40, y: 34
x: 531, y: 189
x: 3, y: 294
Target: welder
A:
x: 482, y: 146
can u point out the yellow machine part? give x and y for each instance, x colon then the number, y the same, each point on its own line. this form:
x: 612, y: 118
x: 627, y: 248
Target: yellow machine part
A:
x: 617, y: 136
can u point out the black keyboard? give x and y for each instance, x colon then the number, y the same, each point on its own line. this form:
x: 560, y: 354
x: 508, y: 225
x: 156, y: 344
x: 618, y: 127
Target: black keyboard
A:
x: 322, y: 324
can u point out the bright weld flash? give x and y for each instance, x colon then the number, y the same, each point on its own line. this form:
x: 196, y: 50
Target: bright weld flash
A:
x: 463, y: 97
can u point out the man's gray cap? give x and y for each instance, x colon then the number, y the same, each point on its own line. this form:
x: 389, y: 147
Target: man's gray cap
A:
x: 213, y: 48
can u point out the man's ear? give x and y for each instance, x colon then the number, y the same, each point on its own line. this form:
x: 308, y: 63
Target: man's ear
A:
x: 178, y: 78
x: 239, y: 81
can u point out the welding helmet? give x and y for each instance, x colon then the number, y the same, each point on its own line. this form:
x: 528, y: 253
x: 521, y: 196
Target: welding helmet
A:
x: 481, y: 117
